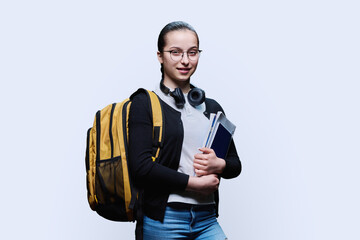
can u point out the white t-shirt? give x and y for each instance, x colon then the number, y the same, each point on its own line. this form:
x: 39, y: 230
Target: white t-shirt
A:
x: 195, y: 125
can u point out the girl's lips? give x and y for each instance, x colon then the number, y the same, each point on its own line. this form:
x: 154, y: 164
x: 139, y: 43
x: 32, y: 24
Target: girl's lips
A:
x: 183, y: 70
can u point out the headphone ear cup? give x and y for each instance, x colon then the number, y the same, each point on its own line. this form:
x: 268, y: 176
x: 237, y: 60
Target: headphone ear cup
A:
x: 196, y: 96
x: 179, y: 98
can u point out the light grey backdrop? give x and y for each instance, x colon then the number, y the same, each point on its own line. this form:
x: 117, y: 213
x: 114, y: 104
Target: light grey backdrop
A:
x: 286, y: 72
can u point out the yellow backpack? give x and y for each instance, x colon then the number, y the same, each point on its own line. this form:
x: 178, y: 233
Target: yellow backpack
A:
x: 109, y: 186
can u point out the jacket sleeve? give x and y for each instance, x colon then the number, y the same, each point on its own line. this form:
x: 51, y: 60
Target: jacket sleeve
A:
x: 233, y: 165
x: 144, y: 171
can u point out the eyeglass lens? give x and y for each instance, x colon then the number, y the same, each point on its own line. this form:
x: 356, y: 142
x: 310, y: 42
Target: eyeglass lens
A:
x: 177, y: 55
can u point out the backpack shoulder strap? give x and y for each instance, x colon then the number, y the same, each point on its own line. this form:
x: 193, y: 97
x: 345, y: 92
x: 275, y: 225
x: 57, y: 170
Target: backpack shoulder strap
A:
x: 157, y: 119
x: 158, y: 122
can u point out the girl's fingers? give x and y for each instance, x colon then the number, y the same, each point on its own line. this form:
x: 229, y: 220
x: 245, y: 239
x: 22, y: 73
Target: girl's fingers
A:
x: 201, y: 162
x: 206, y: 150
x: 200, y: 172
x: 201, y: 156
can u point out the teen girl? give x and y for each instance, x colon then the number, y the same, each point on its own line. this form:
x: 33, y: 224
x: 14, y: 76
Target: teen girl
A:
x: 180, y: 188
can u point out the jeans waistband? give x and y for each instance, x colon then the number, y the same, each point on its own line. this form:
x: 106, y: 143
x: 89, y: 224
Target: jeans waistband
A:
x: 188, y: 206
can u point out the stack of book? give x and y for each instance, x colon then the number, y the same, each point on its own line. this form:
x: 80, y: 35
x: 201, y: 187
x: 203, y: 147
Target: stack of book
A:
x: 219, y: 134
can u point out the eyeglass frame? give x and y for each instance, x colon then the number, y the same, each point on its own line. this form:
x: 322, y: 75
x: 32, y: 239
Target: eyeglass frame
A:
x: 182, y: 56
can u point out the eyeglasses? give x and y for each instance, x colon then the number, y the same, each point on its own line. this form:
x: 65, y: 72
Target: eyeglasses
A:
x: 178, y: 54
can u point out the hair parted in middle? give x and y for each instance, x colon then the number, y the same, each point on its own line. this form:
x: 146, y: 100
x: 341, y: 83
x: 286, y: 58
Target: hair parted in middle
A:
x: 173, y: 26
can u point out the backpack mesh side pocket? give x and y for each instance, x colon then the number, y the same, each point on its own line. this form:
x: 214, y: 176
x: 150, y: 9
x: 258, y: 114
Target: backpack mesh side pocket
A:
x: 108, y: 188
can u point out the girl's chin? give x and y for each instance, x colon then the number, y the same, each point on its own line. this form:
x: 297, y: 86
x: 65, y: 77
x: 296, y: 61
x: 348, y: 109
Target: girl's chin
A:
x: 183, y: 77
x: 180, y: 78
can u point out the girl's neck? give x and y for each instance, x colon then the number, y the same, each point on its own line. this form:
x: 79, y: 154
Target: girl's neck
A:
x: 183, y: 85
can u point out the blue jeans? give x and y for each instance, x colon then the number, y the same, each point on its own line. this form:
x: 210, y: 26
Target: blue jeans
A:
x: 192, y: 223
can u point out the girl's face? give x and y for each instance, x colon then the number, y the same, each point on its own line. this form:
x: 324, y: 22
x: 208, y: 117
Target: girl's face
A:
x: 177, y: 73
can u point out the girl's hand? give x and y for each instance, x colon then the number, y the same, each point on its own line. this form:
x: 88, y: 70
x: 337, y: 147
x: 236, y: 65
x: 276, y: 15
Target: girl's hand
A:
x: 206, y: 163
x: 204, y: 185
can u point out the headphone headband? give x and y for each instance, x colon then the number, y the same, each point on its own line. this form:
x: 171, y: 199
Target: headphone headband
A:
x: 196, y: 96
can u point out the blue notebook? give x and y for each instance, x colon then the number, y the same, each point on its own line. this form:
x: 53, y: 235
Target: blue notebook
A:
x: 220, y: 134
x: 221, y: 141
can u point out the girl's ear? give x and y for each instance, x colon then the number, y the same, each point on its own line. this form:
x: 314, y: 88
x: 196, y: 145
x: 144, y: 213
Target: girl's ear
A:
x: 160, y: 57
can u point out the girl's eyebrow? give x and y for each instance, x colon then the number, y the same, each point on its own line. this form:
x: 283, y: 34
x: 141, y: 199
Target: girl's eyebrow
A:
x: 182, y: 49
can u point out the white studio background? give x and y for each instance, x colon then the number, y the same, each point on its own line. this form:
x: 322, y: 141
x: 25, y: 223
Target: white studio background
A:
x: 286, y: 73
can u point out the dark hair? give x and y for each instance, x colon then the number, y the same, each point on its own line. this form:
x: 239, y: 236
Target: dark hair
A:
x: 173, y: 26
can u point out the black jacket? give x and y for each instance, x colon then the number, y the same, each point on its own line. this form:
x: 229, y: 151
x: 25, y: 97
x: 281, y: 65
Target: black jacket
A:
x: 160, y: 178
